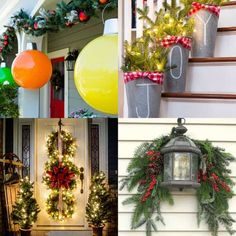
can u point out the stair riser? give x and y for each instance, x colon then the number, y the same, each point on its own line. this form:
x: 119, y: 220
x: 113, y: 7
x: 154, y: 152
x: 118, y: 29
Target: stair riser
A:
x: 197, y: 108
x: 211, y: 77
x: 225, y: 44
x: 227, y: 18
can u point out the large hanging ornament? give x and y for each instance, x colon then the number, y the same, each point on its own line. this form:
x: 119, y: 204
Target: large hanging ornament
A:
x: 6, y: 76
x: 61, y: 175
x: 96, y: 74
x: 31, y: 69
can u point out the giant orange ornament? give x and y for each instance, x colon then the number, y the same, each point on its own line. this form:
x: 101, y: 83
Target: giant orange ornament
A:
x: 31, y: 69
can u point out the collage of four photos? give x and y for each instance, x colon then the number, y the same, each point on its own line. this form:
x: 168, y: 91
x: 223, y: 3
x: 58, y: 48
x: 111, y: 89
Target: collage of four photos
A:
x: 117, y: 118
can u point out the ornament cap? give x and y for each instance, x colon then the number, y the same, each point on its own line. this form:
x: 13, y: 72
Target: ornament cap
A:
x: 3, y: 64
x: 111, y: 26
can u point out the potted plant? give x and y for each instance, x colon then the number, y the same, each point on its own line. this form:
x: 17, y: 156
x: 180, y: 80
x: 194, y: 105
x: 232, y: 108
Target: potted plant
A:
x: 99, y: 206
x: 25, y: 211
x: 144, y: 66
x: 206, y: 15
x: 173, y: 30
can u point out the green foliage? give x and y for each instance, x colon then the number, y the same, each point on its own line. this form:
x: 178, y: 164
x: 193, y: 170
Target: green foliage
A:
x: 141, y: 55
x: 145, y: 173
x: 6, y: 41
x: 99, y: 206
x: 25, y: 211
x: 8, y: 105
x: 213, y: 202
x: 141, y: 176
x: 146, y: 53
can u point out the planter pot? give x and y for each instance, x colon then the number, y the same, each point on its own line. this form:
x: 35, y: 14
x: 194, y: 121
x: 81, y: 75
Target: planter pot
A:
x: 204, y: 37
x: 175, y: 79
x: 97, y: 231
x: 143, y: 98
x: 25, y: 232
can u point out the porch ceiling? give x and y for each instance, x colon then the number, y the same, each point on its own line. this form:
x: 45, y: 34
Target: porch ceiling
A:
x: 8, y: 8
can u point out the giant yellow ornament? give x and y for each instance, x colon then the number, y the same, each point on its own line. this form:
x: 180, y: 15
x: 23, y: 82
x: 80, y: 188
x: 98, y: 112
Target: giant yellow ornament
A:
x: 96, y: 74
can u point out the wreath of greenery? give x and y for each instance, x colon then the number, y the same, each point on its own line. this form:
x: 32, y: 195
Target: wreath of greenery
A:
x: 65, y: 15
x: 145, y: 172
x: 60, y: 175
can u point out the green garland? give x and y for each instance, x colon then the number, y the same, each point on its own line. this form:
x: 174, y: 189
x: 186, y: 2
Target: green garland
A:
x: 65, y: 15
x: 60, y: 176
x: 145, y: 171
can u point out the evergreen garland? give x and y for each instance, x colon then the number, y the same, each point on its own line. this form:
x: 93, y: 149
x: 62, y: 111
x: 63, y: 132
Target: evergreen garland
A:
x: 65, y: 15
x: 145, y: 171
x: 25, y: 210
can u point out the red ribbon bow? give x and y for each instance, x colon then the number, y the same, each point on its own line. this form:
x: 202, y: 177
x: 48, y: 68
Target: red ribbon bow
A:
x: 170, y: 40
x: 196, y: 6
x: 155, y: 77
x: 60, y: 177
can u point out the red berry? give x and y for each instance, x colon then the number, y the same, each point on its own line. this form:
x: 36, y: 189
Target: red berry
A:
x: 83, y: 16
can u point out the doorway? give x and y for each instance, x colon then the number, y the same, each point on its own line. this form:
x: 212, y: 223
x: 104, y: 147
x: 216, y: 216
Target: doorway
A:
x: 57, y: 88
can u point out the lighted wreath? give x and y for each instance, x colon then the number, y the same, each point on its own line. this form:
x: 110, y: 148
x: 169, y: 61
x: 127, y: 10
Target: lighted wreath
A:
x: 145, y: 172
x: 65, y: 15
x: 60, y: 175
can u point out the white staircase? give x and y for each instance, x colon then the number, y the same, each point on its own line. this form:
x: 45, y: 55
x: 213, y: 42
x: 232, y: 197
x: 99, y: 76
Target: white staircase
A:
x: 211, y: 82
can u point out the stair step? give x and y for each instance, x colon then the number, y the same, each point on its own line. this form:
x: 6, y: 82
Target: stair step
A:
x: 231, y: 3
x: 212, y: 59
x: 226, y: 29
x: 199, y: 95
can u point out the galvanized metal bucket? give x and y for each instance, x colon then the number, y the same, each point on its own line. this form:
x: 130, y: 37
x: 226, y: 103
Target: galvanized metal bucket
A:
x: 144, y: 98
x: 204, y: 36
x: 175, y: 79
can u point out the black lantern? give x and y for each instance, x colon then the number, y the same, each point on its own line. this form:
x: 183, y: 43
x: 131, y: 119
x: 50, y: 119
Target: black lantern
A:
x: 181, y: 160
x: 71, y: 59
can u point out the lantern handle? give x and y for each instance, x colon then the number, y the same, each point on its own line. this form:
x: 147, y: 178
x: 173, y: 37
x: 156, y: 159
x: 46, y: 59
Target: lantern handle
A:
x: 103, y: 12
x: 180, y: 129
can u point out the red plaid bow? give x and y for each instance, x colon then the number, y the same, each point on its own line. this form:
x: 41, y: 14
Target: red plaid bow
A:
x: 196, y: 6
x: 170, y: 40
x: 156, y: 77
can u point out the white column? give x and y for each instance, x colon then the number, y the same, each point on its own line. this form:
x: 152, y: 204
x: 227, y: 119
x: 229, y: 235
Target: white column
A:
x: 28, y: 100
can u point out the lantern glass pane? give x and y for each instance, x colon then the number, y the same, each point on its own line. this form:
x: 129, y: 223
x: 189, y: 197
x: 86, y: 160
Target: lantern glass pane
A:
x: 182, y: 166
x: 194, y: 167
x: 167, y: 167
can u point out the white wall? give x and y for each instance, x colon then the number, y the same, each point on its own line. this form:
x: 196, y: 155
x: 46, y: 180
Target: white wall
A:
x: 180, y: 218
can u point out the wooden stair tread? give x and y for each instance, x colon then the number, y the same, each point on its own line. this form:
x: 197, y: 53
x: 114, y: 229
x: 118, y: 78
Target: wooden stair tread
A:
x: 199, y: 95
x: 212, y: 59
x: 232, y: 3
x: 226, y: 29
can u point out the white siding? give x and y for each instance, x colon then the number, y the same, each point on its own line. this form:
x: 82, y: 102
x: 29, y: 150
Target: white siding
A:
x: 180, y: 218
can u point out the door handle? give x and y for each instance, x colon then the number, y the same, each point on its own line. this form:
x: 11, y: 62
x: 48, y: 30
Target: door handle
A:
x: 81, y: 176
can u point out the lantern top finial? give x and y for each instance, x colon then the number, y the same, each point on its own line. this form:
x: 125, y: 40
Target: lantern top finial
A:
x: 180, y: 129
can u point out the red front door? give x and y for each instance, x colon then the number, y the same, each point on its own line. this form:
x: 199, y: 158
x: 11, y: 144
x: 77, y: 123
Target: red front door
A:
x: 57, y: 88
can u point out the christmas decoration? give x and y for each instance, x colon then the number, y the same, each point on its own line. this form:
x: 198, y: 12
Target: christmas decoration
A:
x: 57, y: 80
x: 31, y: 69
x: 60, y: 175
x: 96, y: 78
x: 146, y: 173
x: 99, y: 206
x: 82, y: 113
x: 65, y: 15
x: 25, y: 211
x: 172, y: 30
x: 8, y: 104
x: 6, y: 76
x: 206, y: 15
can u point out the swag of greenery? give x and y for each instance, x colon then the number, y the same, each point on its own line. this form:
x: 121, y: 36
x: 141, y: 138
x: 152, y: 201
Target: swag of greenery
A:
x: 145, y: 172
x: 8, y: 105
x: 60, y: 176
x: 65, y: 15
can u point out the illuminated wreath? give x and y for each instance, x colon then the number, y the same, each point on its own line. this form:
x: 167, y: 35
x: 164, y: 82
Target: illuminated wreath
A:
x: 60, y: 176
